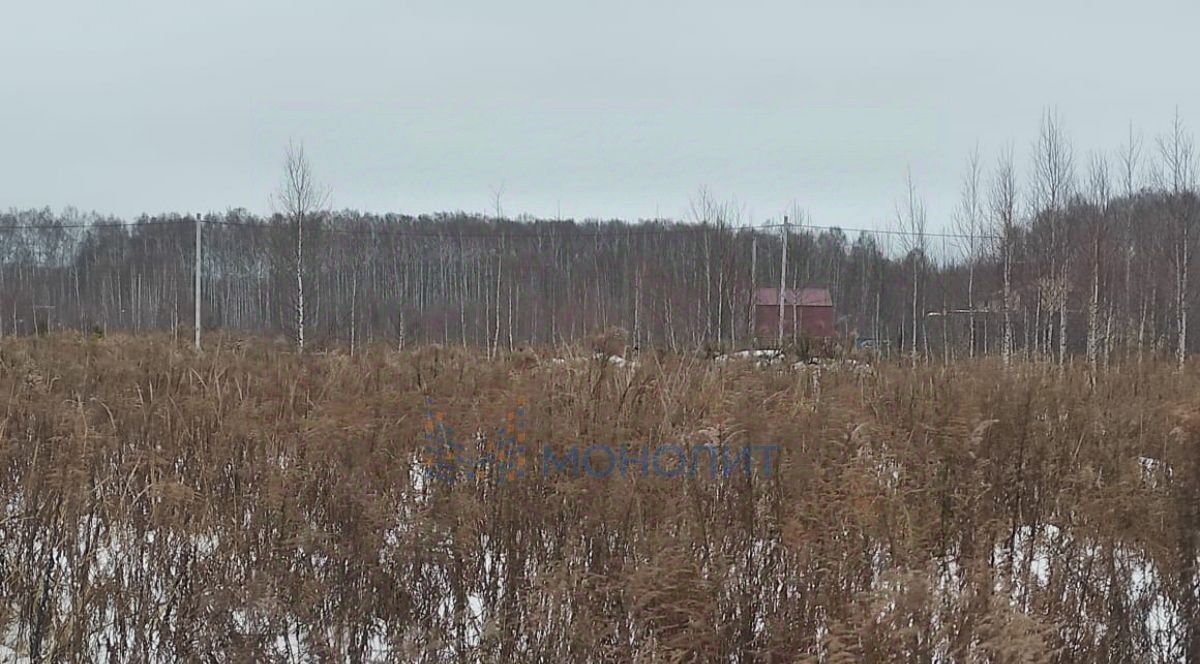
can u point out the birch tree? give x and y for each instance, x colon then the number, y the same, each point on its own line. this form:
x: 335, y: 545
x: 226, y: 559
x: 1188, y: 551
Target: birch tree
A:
x: 301, y: 201
x: 911, y: 222
x: 1004, y: 219
x: 1130, y: 158
x: 969, y: 221
x: 1179, y: 172
x: 1099, y: 193
x: 1053, y: 175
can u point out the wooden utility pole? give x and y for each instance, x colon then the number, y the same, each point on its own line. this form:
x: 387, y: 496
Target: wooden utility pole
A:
x: 753, y: 281
x: 197, y: 284
x: 798, y: 304
x: 782, y: 278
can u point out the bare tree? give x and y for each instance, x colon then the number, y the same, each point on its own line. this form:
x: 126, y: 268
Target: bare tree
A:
x: 969, y: 220
x: 301, y: 201
x: 1178, y: 155
x: 705, y: 210
x: 1130, y: 157
x: 498, y: 209
x: 1004, y: 219
x: 1054, y: 173
x: 911, y: 222
x: 1100, y: 195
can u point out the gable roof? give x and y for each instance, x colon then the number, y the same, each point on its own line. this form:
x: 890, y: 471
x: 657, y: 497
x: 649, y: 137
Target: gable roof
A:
x: 807, y: 296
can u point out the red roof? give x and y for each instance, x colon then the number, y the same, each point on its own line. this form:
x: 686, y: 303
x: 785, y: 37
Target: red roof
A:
x: 808, y: 296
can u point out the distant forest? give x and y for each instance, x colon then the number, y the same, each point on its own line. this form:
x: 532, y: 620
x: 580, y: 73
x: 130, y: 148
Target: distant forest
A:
x: 1072, y: 256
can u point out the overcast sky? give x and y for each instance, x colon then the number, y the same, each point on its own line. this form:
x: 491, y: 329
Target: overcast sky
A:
x: 604, y: 109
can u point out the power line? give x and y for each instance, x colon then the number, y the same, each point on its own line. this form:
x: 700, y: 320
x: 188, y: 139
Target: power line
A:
x: 537, y: 234
x: 96, y: 224
x: 889, y: 231
x: 557, y: 229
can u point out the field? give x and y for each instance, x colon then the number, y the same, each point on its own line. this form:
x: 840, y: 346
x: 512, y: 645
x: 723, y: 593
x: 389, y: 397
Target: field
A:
x: 254, y: 504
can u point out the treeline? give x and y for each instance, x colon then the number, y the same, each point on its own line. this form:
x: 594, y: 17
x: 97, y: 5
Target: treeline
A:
x: 1084, y: 257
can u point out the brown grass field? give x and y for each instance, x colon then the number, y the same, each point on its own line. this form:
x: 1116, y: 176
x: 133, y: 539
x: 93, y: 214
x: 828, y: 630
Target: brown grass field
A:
x: 253, y: 504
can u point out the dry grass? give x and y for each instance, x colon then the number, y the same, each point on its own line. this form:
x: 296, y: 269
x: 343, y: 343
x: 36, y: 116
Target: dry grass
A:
x: 252, y: 504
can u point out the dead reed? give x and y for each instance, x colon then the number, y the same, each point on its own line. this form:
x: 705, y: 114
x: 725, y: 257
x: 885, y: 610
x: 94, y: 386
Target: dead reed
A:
x: 252, y: 504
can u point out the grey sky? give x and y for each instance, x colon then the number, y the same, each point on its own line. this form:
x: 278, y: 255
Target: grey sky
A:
x: 608, y: 109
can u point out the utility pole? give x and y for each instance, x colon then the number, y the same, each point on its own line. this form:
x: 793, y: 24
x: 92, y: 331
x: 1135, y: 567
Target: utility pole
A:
x: 753, y: 281
x: 798, y: 304
x: 197, y: 284
x: 782, y: 278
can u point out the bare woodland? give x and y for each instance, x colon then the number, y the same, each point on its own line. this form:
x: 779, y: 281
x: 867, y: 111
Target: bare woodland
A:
x: 1062, y: 254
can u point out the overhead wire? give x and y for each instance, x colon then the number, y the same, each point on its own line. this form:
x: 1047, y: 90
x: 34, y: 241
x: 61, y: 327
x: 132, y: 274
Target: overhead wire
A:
x: 555, y: 228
